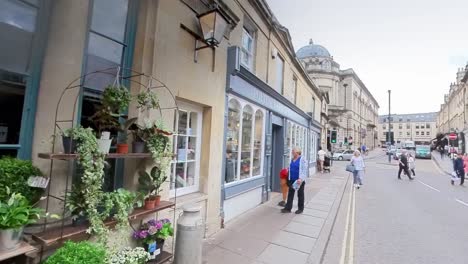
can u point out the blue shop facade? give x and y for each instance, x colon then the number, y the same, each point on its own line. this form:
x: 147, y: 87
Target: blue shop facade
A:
x: 261, y: 128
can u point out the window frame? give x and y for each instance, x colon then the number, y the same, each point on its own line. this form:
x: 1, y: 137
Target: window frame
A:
x: 250, y: 54
x: 279, y: 89
x: 189, y: 108
x: 237, y: 180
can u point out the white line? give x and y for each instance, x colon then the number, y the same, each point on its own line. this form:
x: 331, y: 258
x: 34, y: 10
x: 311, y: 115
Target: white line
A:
x: 351, y: 239
x: 427, y: 185
x: 345, y: 239
x: 462, y: 202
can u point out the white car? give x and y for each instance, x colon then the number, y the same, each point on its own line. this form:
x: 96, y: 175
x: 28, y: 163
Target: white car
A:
x: 343, y: 155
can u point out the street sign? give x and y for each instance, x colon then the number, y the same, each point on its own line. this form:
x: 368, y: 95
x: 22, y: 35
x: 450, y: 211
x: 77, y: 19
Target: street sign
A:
x: 453, y: 136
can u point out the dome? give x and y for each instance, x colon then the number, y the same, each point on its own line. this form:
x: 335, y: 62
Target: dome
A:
x: 312, y: 50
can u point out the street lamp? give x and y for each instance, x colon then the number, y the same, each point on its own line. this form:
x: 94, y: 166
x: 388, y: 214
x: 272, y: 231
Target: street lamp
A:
x: 389, y: 124
x: 213, y: 25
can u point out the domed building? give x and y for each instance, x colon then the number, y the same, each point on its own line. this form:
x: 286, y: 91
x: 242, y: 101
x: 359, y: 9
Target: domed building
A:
x: 351, y: 110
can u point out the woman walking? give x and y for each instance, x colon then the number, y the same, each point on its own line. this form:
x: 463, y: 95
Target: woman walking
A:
x: 411, y: 163
x: 358, y: 162
x: 298, y: 172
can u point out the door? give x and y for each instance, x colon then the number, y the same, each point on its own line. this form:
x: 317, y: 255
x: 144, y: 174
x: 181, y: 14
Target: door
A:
x: 277, y: 156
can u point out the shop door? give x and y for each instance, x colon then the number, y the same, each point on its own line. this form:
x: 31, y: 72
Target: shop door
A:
x: 277, y: 156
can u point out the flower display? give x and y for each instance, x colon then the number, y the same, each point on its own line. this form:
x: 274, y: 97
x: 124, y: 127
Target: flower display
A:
x: 154, y: 230
x: 130, y: 256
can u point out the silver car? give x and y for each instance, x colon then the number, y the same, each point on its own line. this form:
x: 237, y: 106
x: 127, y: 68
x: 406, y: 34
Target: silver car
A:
x: 343, y: 155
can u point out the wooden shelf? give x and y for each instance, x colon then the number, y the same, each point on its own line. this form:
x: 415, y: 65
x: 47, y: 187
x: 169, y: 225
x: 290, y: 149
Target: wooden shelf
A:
x: 63, y: 156
x: 165, y: 256
x: 24, y: 248
x: 55, y: 235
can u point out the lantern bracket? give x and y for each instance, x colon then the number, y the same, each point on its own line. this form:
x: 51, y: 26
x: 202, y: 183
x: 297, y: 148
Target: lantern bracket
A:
x: 198, y: 39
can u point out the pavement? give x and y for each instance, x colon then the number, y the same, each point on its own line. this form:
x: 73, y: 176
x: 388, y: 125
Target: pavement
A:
x: 443, y: 163
x: 265, y: 235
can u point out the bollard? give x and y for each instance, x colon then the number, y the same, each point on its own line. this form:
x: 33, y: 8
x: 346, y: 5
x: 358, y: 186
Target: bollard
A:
x: 190, y: 230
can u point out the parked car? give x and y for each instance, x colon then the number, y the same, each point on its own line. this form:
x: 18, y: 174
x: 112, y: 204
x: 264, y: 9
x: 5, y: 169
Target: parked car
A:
x: 343, y: 155
x: 423, y: 152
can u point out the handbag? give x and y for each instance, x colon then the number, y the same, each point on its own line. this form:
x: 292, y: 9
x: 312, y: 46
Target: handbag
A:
x: 350, y: 168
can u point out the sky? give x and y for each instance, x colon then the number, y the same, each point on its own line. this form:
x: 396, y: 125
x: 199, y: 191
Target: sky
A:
x: 412, y: 47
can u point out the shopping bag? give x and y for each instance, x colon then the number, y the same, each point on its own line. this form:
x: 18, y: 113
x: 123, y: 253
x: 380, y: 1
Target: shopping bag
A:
x: 350, y: 168
x: 454, y: 176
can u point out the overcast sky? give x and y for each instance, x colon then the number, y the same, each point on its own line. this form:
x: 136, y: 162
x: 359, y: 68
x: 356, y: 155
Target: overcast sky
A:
x: 412, y: 47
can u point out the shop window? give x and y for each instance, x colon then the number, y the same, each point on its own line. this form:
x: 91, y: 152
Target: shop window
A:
x: 186, y: 146
x: 244, y: 141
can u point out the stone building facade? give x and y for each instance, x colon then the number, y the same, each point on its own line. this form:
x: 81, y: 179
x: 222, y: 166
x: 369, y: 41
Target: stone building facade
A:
x: 353, y: 110
x: 420, y: 128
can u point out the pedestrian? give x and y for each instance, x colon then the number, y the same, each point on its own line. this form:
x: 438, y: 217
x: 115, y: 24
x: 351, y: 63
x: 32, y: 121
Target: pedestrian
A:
x: 359, y: 166
x: 321, y: 157
x: 403, y: 166
x: 411, y: 163
x: 284, y: 185
x: 298, y: 172
x: 465, y: 166
x: 459, y: 169
x: 441, y: 150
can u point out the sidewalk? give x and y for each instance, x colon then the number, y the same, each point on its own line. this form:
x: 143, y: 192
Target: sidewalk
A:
x: 445, y: 164
x: 264, y: 235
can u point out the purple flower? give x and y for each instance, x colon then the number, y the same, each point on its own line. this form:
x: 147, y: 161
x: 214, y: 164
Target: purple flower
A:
x: 141, y: 234
x: 165, y: 221
x: 152, y: 222
x: 159, y: 225
x: 153, y: 230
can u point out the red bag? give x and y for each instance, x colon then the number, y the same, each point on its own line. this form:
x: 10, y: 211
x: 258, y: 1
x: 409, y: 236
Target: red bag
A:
x: 284, y: 173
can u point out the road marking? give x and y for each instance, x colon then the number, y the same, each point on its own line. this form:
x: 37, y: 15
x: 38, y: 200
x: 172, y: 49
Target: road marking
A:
x: 462, y: 202
x: 345, y: 239
x: 351, y: 239
x: 427, y: 185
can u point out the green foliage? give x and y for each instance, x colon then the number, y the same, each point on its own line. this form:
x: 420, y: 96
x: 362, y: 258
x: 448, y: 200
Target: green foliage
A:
x: 82, y: 253
x: 166, y: 231
x: 157, y: 144
x: 123, y: 202
x: 104, y: 119
x: 17, y: 212
x: 117, y: 98
x: 147, y: 100
x: 14, y: 174
x: 151, y: 183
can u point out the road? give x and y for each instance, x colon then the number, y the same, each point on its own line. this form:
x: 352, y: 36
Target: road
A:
x: 401, y: 221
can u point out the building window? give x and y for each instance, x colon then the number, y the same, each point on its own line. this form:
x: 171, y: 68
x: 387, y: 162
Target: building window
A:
x: 313, y: 106
x: 407, y: 133
x: 279, y: 74
x: 422, y: 133
x: 292, y: 95
x: 408, y: 126
x: 244, y: 141
x: 296, y: 136
x: 417, y: 126
x: 186, y: 146
x: 400, y: 133
x: 428, y: 126
x: 400, y: 126
x: 417, y: 133
x: 401, y: 119
x: 384, y: 127
x: 391, y: 126
x: 247, y: 49
x: 384, y: 133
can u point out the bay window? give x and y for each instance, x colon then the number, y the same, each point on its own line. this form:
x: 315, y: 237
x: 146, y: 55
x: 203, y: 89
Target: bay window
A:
x: 244, y: 141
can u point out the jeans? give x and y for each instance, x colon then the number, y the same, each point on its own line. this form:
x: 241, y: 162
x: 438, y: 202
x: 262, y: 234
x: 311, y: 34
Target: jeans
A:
x: 357, y: 176
x: 300, y: 196
x: 461, y: 175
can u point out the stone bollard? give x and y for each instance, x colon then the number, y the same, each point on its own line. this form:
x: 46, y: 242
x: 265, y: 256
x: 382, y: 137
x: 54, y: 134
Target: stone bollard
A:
x: 190, y: 229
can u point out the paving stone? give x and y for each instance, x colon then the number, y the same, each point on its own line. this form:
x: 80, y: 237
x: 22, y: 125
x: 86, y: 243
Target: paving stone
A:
x: 244, y: 245
x: 274, y: 254
x: 295, y: 241
x: 219, y: 255
x: 303, y: 229
x: 325, y: 202
x: 320, y: 207
x: 309, y: 220
x: 316, y: 213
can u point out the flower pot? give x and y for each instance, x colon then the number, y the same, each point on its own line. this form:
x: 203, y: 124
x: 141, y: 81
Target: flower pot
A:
x: 79, y: 220
x: 155, y: 252
x: 138, y: 147
x: 157, y: 200
x: 104, y: 145
x: 150, y: 203
x: 10, y: 238
x: 122, y: 148
x: 69, y: 145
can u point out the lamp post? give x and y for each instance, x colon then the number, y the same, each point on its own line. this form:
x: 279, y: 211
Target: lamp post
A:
x: 389, y: 124
x: 346, y: 112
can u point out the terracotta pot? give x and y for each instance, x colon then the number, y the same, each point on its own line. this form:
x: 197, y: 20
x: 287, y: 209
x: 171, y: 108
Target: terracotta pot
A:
x: 122, y: 148
x: 150, y: 203
x: 157, y: 200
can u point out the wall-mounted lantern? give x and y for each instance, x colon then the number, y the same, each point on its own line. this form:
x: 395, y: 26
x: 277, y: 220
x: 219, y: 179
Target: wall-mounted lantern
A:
x: 213, y: 25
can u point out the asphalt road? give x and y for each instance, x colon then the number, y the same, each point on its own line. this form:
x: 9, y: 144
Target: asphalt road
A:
x: 401, y: 221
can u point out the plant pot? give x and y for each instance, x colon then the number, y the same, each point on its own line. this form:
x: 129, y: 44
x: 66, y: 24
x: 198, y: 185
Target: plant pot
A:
x: 138, y: 147
x: 79, y: 221
x: 122, y: 148
x: 157, y: 200
x: 153, y: 251
x: 69, y: 145
x: 104, y: 145
x: 10, y: 238
x: 150, y: 203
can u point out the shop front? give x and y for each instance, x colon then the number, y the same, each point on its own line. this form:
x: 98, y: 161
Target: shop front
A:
x: 261, y: 128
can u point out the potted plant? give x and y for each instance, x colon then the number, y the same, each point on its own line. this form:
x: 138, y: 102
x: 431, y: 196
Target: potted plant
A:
x: 124, y: 129
x: 83, y: 252
x: 104, y: 120
x: 138, y: 144
x: 150, y: 184
x: 129, y: 255
x: 15, y: 214
x: 147, y: 100
x: 14, y: 175
x: 69, y: 145
x: 76, y: 204
x: 153, y: 234
x: 123, y: 202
